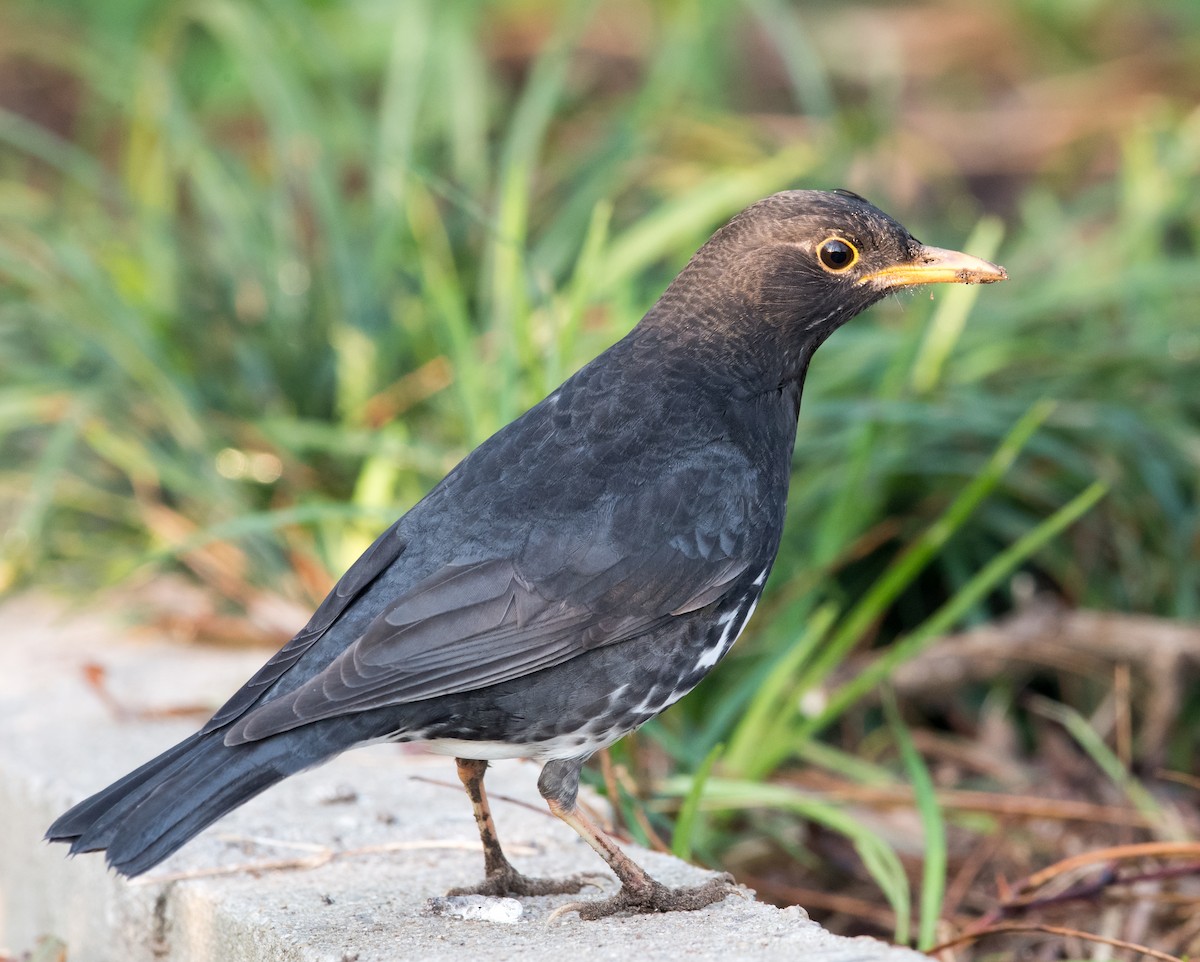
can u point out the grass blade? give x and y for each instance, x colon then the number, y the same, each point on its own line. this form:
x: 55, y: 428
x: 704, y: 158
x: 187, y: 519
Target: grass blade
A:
x: 878, y: 857
x: 763, y: 717
x: 945, y: 617
x: 950, y: 318
x: 933, y: 871
x: 1106, y: 760
x: 905, y: 568
x: 685, y: 823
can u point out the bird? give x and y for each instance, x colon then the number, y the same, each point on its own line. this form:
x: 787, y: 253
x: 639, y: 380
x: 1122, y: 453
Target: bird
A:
x: 573, y: 576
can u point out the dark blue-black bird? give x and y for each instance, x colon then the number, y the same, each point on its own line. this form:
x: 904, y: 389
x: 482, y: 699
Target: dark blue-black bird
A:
x: 575, y: 574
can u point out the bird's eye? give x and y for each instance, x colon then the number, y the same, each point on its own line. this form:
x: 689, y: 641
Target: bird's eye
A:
x: 837, y: 255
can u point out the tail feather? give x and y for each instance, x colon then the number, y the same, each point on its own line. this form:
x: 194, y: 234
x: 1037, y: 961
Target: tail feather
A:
x: 161, y: 824
x: 150, y: 813
x: 124, y: 793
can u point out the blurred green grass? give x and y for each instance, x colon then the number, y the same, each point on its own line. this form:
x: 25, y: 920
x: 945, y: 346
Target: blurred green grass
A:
x: 268, y: 269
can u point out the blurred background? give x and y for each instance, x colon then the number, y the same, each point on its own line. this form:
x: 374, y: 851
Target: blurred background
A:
x: 268, y: 269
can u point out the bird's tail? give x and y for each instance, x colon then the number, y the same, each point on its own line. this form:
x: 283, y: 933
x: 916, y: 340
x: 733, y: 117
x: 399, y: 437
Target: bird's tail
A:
x: 145, y: 816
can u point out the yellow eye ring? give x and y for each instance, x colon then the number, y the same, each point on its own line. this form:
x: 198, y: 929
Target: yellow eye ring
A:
x: 837, y: 255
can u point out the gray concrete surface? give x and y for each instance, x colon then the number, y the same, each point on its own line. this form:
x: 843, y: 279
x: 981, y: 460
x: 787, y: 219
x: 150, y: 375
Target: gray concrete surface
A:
x: 337, y: 864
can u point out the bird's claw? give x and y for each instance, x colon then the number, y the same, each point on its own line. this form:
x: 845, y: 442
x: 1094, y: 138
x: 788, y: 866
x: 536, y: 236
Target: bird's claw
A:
x: 512, y: 883
x: 655, y: 898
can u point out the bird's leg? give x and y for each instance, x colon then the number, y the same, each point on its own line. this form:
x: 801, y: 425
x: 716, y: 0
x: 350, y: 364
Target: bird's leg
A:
x: 639, y: 893
x: 470, y: 773
x: 500, y: 878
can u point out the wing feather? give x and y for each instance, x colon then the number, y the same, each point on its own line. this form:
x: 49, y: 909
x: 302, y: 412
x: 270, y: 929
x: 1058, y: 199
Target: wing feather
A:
x: 471, y: 626
x: 575, y: 576
x: 384, y: 552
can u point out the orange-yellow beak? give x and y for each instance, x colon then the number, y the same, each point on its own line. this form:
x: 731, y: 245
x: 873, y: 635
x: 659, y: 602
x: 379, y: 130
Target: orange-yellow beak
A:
x: 932, y: 265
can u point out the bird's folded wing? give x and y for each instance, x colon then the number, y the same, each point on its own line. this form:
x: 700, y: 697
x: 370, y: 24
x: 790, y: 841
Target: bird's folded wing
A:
x: 474, y: 625
x: 385, y: 551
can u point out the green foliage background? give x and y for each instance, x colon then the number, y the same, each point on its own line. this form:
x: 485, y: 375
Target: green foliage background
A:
x: 269, y: 268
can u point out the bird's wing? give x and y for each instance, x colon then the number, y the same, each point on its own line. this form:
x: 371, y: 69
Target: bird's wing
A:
x: 472, y: 625
x: 385, y: 551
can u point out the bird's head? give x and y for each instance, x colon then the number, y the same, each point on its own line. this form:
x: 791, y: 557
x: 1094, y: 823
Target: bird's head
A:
x: 799, y: 264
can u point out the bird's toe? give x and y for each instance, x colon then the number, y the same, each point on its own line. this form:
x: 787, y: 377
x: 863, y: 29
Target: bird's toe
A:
x: 655, y: 898
x: 513, y: 883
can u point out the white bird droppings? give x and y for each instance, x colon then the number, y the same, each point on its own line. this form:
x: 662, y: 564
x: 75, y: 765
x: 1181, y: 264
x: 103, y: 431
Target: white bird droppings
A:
x: 476, y: 908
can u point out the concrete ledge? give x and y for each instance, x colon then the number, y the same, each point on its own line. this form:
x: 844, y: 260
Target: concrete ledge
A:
x: 335, y: 865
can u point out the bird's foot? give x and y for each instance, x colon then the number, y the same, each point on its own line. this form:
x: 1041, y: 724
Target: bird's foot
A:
x: 509, y: 882
x: 655, y: 897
